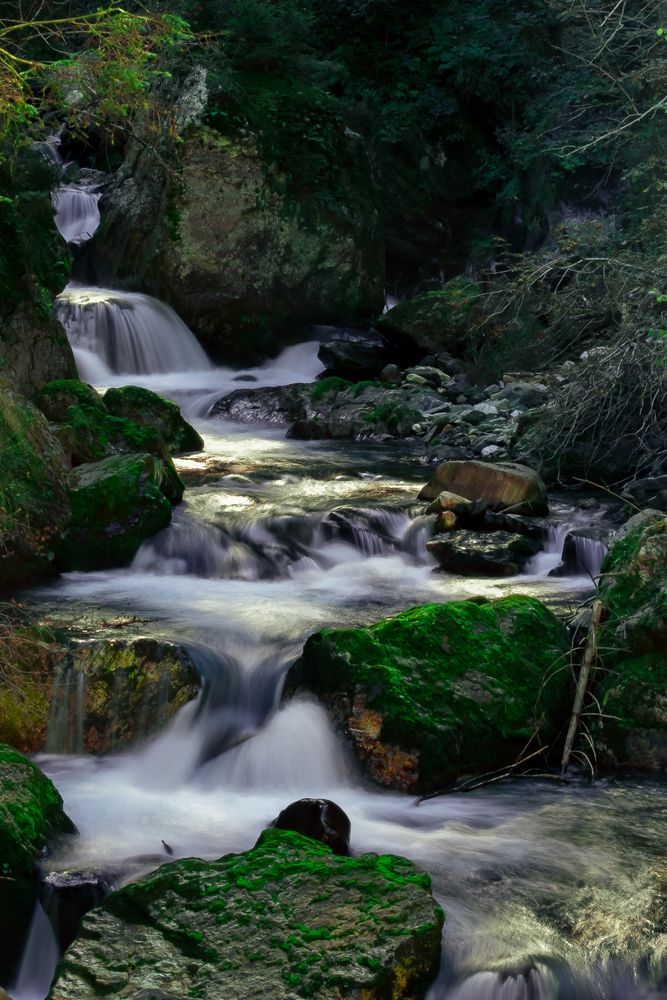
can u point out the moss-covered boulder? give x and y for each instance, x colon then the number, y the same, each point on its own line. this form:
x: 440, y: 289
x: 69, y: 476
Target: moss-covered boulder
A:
x: 34, y: 505
x: 500, y: 485
x: 439, y: 321
x: 108, y: 694
x: 31, y: 815
x: 440, y: 690
x: 148, y: 409
x: 633, y: 692
x: 286, y: 919
x: 90, y: 432
x: 116, y: 504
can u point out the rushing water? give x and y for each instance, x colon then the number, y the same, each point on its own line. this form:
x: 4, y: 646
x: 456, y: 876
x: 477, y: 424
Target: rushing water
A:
x: 551, y: 892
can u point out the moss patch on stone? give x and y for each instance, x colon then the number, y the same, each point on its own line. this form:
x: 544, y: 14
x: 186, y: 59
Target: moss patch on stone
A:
x: 148, y: 409
x: 437, y: 321
x: 441, y: 689
x: 116, y: 504
x: 33, y: 491
x: 286, y: 919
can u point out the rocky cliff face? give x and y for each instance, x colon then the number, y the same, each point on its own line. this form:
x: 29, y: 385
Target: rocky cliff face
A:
x: 236, y: 256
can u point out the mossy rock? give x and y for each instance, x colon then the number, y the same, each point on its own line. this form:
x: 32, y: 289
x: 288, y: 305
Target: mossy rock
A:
x: 148, y: 409
x: 633, y: 589
x: 89, y: 432
x: 436, y: 321
x: 31, y: 815
x: 34, y: 504
x: 287, y: 919
x: 27, y: 653
x: 116, y: 504
x: 109, y: 694
x: 441, y: 690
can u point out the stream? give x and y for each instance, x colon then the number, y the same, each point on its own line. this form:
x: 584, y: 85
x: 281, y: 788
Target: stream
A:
x: 550, y: 892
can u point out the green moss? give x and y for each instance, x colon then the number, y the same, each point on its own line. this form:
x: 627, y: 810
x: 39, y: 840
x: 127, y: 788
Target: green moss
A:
x: 462, y: 686
x: 116, y: 504
x: 149, y: 410
x: 327, y: 385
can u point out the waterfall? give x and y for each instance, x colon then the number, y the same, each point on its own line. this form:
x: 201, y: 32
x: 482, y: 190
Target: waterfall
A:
x: 77, y: 214
x: 127, y: 332
x: 584, y: 554
x: 40, y: 957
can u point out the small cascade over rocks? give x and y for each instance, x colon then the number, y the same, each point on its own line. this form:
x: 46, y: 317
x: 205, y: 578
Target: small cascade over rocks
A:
x: 40, y: 957
x: 126, y: 333
x: 77, y: 214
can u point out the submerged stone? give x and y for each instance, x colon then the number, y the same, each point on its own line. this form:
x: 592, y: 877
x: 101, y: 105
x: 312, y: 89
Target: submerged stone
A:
x: 440, y: 690
x: 287, y: 919
x: 116, y: 505
x: 486, y: 553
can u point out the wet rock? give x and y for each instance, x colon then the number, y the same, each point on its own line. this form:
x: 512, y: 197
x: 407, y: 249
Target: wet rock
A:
x: 352, y: 354
x: 109, y: 694
x: 66, y: 897
x: 494, y: 553
x: 34, y: 503
x: 633, y: 589
x: 223, y: 250
x: 116, y: 505
x: 648, y: 492
x: 502, y: 486
x: 441, y: 689
x: 31, y: 817
x: 391, y: 375
x: 287, y: 918
x: 438, y: 321
x: 279, y: 405
x: 147, y: 409
x: 319, y: 819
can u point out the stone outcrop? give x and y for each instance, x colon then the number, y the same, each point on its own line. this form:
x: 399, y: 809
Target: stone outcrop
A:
x: 286, y: 919
x: 440, y: 690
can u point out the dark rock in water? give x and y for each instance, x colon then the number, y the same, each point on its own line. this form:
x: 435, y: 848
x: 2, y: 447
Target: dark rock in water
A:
x: 269, y: 405
x: 354, y: 355
x: 244, y: 378
x: 391, y: 375
x: 67, y: 896
x: 287, y: 919
x: 492, y: 553
x: 31, y: 816
x: 440, y: 690
x: 319, y: 819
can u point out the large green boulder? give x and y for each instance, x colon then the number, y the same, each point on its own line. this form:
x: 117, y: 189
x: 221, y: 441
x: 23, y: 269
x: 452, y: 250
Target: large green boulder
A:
x: 439, y: 321
x: 148, y: 409
x: 34, y: 505
x: 441, y: 690
x: 287, y: 919
x: 633, y: 691
x: 116, y: 504
x: 31, y: 815
x: 89, y: 432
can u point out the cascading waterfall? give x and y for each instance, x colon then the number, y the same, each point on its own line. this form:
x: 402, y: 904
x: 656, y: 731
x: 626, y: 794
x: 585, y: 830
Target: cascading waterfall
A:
x: 126, y: 332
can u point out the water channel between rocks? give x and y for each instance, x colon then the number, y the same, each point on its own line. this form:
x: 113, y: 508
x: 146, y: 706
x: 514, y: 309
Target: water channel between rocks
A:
x: 548, y: 890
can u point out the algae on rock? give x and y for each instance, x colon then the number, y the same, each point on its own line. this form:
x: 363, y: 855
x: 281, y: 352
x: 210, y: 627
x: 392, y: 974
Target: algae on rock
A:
x: 441, y: 690
x: 287, y: 919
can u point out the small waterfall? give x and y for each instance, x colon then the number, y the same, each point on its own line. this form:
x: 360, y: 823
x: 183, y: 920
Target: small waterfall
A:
x: 544, y: 562
x: 127, y: 333
x: 65, y: 726
x: 583, y: 553
x: 77, y: 213
x: 40, y: 957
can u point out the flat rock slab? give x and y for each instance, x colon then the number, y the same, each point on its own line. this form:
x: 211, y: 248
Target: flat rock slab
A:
x: 286, y: 919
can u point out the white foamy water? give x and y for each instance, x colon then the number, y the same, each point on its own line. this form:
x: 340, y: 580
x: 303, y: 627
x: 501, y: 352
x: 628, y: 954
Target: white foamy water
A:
x: 127, y: 332
x: 77, y: 213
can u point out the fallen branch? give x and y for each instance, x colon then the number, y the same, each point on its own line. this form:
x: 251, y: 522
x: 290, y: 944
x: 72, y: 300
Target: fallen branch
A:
x: 590, y: 655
